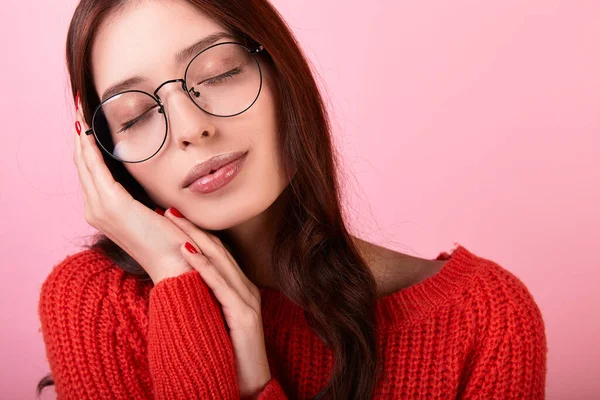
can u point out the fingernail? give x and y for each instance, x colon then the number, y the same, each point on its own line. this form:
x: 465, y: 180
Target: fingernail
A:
x: 176, y: 213
x: 78, y: 127
x: 190, y: 248
x: 77, y: 102
x: 159, y: 211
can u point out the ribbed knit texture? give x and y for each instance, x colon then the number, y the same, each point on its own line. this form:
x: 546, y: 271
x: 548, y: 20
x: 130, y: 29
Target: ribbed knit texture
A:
x: 472, y: 331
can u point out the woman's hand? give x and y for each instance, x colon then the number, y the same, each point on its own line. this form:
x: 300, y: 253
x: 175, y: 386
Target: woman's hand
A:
x: 239, y: 298
x: 146, y: 236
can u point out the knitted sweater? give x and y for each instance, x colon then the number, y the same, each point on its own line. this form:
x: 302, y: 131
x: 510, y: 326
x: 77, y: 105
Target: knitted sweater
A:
x: 472, y: 331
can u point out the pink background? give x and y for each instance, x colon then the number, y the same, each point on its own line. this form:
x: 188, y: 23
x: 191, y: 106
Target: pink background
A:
x: 458, y: 121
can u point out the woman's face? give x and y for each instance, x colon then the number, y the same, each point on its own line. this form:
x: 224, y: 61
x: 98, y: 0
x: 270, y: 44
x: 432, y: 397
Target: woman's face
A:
x: 143, y: 40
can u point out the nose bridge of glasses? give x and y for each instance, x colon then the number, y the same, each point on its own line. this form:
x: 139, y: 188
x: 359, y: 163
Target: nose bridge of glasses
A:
x: 183, y: 86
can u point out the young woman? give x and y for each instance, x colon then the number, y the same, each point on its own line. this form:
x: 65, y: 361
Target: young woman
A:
x: 224, y: 268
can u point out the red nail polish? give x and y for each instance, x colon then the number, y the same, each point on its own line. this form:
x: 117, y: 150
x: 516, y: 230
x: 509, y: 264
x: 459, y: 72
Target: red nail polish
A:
x: 78, y: 127
x: 77, y: 102
x: 159, y: 211
x: 190, y: 248
x: 176, y: 213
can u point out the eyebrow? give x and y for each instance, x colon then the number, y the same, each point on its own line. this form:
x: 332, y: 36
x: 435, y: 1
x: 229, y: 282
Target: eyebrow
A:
x: 181, y: 56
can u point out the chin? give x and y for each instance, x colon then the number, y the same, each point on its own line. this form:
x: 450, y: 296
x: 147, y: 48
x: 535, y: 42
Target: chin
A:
x: 220, y: 220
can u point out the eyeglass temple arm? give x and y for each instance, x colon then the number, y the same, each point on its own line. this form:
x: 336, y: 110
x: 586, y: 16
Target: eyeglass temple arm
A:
x: 89, y: 131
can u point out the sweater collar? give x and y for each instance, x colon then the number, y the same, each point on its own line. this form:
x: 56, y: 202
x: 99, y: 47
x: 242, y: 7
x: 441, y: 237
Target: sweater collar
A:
x: 409, y: 303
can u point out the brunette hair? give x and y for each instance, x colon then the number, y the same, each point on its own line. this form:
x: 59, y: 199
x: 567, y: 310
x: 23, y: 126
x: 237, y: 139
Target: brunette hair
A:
x: 313, y: 250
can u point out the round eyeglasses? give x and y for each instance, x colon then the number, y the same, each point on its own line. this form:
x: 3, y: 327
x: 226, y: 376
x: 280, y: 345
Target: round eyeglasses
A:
x: 223, y: 80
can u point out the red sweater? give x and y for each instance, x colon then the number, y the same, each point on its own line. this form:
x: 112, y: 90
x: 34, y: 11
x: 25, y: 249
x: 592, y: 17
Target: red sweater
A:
x: 472, y: 331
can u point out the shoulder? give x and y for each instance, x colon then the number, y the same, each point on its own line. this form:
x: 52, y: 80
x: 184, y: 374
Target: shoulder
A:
x: 507, y: 340
x: 84, y: 280
x: 501, y: 309
x: 79, y: 266
x: 501, y: 291
x: 79, y: 269
x: 478, y: 291
x: 484, y: 292
x: 94, y: 323
x: 499, y: 323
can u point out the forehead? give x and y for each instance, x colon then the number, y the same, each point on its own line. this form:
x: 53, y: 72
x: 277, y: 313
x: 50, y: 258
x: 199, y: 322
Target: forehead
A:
x: 143, y: 38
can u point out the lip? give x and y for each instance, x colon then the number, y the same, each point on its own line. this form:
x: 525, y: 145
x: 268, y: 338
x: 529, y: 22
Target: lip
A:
x: 216, y: 180
x: 212, y: 164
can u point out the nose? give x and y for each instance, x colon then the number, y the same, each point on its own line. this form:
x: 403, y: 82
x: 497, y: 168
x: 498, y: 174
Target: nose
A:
x: 187, y: 123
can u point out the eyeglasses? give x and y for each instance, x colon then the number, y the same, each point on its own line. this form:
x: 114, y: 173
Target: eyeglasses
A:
x: 223, y: 80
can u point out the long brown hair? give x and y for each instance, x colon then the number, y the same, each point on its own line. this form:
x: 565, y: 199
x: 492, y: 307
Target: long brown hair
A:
x: 313, y: 250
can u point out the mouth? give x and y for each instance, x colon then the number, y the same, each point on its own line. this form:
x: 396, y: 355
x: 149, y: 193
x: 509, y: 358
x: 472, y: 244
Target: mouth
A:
x: 209, y: 166
x: 215, y: 173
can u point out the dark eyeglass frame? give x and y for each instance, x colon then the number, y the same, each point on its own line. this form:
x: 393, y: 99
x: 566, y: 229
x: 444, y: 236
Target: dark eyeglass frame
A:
x: 156, y: 97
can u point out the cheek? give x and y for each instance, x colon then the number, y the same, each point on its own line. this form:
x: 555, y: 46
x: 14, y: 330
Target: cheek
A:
x: 266, y: 116
x: 270, y: 134
x: 153, y: 179
x: 269, y: 161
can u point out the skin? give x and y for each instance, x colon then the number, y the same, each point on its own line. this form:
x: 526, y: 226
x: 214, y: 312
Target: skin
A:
x: 395, y: 271
x: 142, y: 40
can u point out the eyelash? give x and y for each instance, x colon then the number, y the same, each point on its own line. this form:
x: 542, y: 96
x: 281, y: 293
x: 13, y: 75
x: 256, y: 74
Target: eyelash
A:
x: 224, y: 76
x: 135, y: 121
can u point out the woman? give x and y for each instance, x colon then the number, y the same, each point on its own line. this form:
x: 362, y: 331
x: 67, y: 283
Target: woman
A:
x: 245, y: 282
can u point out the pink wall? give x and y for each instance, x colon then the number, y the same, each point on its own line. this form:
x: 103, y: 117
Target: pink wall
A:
x: 458, y: 121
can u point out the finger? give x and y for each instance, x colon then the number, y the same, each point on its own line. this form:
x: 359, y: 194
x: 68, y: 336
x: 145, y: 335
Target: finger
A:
x: 217, y: 254
x: 254, y: 291
x: 186, y: 225
x: 92, y: 158
x: 228, y: 296
x: 215, y: 250
x: 220, y: 243
x: 82, y: 170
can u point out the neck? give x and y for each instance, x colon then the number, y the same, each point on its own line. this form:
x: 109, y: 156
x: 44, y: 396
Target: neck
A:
x: 252, y: 244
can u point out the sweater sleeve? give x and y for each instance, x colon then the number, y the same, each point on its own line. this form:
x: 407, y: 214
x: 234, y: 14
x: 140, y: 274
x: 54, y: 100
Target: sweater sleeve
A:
x: 181, y: 307
x: 509, y: 358
x: 107, y: 336
x: 189, y: 350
